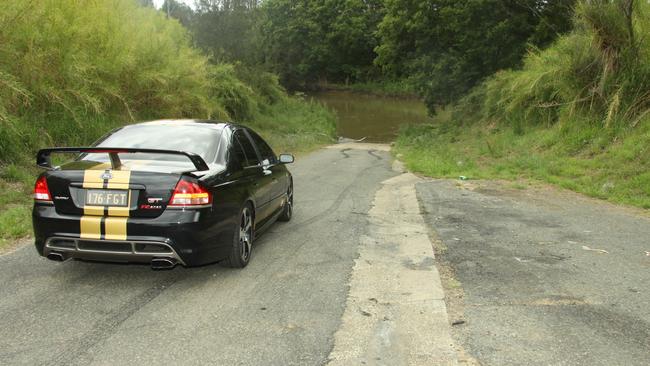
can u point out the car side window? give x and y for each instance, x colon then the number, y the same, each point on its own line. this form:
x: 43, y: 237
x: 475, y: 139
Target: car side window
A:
x: 248, y: 149
x: 265, y: 150
x: 238, y: 152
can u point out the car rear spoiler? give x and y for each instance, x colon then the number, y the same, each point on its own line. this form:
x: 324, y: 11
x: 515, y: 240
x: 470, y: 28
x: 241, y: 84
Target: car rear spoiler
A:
x: 43, y: 156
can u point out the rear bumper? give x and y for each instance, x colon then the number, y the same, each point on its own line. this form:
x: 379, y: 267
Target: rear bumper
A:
x: 110, y: 250
x: 189, y: 237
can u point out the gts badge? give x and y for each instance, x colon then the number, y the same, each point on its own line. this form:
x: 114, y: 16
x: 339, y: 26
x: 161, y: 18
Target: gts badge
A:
x: 61, y: 198
x: 154, y: 203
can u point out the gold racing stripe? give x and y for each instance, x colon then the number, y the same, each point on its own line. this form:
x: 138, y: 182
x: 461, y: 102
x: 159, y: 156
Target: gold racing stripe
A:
x: 94, y: 210
x: 93, y: 179
x: 91, y: 227
x: 91, y: 222
x: 120, y: 179
x: 115, y: 227
x: 121, y: 211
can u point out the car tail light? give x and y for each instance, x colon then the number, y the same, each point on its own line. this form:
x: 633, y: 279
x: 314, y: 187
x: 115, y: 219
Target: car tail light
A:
x: 41, y: 192
x: 188, y: 193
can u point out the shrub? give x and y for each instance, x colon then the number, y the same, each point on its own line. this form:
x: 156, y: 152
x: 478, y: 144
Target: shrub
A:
x: 599, y: 69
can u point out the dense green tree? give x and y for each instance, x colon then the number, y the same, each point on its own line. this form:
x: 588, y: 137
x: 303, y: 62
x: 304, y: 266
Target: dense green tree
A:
x: 293, y: 39
x: 178, y: 10
x: 352, y: 38
x: 448, y: 46
x: 445, y: 47
x: 553, y: 18
x: 312, y: 40
x: 228, y: 29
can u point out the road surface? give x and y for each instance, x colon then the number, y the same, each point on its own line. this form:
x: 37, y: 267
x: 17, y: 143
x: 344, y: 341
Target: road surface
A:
x: 295, y: 304
x: 536, y: 276
x: 541, y: 276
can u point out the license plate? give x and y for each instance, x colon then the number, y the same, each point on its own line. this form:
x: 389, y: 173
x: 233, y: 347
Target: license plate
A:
x: 106, y: 197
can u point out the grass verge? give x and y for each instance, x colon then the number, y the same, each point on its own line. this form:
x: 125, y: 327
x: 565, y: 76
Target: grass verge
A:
x: 606, y: 164
x: 15, y: 202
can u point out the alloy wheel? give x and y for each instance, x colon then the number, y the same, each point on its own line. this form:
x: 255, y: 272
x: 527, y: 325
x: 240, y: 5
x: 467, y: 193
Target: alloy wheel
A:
x: 246, y: 234
x: 290, y: 201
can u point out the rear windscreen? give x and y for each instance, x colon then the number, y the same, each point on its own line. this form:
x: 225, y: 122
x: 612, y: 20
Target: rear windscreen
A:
x: 200, y: 140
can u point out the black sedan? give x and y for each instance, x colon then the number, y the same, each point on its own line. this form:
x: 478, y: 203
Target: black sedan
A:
x: 165, y: 192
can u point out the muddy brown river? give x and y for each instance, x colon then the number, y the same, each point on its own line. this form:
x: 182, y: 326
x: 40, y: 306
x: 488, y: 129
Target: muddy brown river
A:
x: 375, y: 118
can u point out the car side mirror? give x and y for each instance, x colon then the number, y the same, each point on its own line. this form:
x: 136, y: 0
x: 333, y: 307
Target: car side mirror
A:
x: 286, y: 159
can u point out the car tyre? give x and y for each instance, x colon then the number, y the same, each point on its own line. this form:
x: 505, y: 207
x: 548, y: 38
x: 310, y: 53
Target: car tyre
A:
x: 287, y: 211
x: 242, y: 245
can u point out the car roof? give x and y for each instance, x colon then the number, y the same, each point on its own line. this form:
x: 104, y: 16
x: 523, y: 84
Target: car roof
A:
x: 213, y: 124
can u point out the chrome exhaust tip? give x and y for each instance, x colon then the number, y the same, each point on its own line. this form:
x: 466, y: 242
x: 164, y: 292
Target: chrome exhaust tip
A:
x: 54, y: 256
x: 163, y: 263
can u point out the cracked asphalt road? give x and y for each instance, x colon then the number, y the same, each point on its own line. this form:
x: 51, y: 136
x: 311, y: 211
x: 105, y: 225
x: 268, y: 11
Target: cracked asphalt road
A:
x: 513, y: 262
x: 521, y: 270
x: 283, y: 309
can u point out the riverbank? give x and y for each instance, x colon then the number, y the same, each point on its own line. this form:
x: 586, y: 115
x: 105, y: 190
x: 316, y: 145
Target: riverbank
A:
x: 400, y: 89
x: 610, y: 165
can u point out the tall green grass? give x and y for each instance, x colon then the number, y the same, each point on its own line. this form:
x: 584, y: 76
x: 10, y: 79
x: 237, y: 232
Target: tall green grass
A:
x: 296, y: 125
x: 599, y: 71
x: 72, y: 70
x: 577, y: 114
